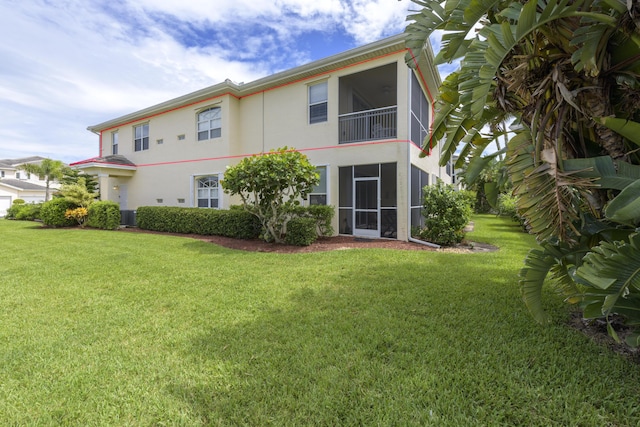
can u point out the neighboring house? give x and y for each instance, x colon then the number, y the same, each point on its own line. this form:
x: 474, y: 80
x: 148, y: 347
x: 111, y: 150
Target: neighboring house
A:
x: 18, y: 184
x: 360, y: 116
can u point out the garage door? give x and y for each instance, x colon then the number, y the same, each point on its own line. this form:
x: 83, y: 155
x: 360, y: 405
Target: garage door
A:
x: 5, y: 203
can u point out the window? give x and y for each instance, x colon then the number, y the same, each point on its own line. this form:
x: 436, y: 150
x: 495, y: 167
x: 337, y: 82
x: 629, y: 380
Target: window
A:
x: 210, y: 124
x: 141, y: 138
x: 114, y: 143
x: 208, y: 192
x: 318, y: 195
x: 318, y: 96
x: 17, y: 175
x: 1, y: 174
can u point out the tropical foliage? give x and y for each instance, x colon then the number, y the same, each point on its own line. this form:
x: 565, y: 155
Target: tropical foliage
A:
x: 47, y: 169
x: 71, y: 176
x: 78, y: 193
x: 565, y: 75
x: 271, y: 185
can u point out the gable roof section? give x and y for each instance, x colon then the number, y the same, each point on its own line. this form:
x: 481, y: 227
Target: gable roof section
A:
x: 12, y: 163
x: 116, y: 161
x: 381, y: 48
x: 19, y: 184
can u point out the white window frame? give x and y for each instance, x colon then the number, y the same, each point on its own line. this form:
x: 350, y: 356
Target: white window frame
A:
x: 315, y: 100
x: 212, y: 126
x: 114, y: 142
x: 326, y: 182
x: 144, y: 139
x: 195, y: 180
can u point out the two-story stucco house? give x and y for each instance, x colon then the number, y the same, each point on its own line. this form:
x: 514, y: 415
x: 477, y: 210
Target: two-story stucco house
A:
x: 360, y: 116
x: 18, y: 184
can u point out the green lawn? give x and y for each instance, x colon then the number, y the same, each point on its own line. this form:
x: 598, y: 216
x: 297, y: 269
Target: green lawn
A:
x: 109, y: 328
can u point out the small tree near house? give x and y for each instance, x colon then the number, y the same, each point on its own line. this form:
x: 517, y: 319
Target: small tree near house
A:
x: 271, y: 185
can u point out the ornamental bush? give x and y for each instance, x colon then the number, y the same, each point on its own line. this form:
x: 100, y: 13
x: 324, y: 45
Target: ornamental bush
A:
x: 271, y: 186
x: 321, y: 214
x: 77, y: 214
x: 301, y: 231
x: 446, y: 212
x: 53, y: 212
x: 104, y: 215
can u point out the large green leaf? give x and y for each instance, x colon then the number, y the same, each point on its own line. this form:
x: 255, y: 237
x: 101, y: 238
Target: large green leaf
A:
x: 612, y: 270
x: 479, y: 163
x: 554, y: 260
x: 605, y: 172
x: 626, y: 128
x: 625, y: 207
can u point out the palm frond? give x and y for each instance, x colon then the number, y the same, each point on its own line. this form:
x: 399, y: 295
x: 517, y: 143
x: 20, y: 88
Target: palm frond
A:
x: 547, y: 197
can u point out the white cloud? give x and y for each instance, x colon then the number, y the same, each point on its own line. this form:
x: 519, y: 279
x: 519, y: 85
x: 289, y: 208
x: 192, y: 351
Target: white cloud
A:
x: 71, y: 63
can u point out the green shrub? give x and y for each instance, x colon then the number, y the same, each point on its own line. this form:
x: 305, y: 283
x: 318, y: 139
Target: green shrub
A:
x: 23, y: 211
x: 104, y: 215
x: 301, y: 231
x: 446, y: 212
x: 235, y: 223
x: 507, y: 206
x: 53, y: 213
x: 321, y: 214
x: 271, y: 186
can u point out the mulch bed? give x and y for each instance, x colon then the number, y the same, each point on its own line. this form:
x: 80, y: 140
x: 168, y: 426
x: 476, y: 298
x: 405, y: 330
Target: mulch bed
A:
x: 322, y: 244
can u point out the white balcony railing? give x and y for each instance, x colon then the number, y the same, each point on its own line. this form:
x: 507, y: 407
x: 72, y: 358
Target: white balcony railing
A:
x: 369, y: 125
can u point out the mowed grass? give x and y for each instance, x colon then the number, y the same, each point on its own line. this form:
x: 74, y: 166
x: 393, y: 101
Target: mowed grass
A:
x: 112, y: 328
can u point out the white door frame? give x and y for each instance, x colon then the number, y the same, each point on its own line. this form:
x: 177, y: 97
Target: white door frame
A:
x: 365, y: 232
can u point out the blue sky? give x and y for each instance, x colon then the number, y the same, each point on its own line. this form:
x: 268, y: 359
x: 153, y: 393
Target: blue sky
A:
x: 68, y: 64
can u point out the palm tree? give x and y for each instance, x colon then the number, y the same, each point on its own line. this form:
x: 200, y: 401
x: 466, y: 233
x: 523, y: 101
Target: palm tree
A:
x: 566, y: 75
x: 48, y: 169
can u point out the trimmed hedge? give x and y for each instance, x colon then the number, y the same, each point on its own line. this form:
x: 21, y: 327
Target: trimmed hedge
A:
x: 104, y: 215
x: 52, y: 213
x: 235, y: 223
x: 301, y: 231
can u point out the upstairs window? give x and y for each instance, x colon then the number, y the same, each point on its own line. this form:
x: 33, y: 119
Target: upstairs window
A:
x: 318, y: 101
x: 210, y: 124
x: 208, y: 190
x: 141, y: 138
x: 114, y: 143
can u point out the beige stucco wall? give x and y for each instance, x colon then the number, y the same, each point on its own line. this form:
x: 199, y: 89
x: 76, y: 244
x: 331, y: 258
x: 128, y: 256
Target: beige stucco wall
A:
x: 252, y: 124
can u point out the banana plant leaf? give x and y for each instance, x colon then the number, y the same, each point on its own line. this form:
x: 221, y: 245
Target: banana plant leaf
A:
x: 557, y: 261
x: 625, y: 207
x: 605, y: 172
x: 613, y: 267
x: 626, y: 128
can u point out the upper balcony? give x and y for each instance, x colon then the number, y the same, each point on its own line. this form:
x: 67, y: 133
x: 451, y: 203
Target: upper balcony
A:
x: 369, y: 125
x: 368, y: 105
